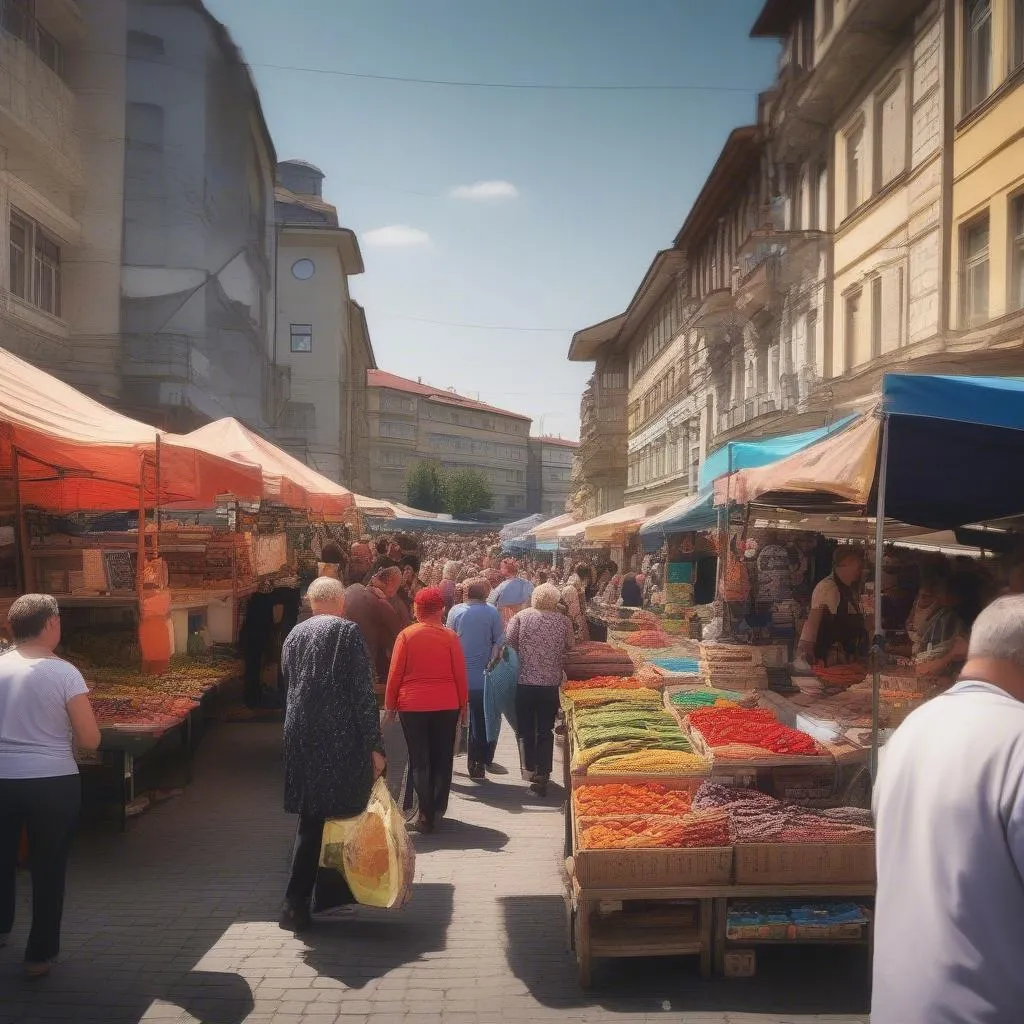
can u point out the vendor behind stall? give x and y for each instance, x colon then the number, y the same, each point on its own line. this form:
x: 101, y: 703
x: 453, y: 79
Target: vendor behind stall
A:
x: 835, y: 630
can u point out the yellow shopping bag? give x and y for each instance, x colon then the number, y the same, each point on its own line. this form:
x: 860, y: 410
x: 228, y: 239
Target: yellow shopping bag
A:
x: 373, y: 852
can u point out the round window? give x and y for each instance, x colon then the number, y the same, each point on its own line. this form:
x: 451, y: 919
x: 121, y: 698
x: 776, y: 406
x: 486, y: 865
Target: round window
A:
x: 303, y: 270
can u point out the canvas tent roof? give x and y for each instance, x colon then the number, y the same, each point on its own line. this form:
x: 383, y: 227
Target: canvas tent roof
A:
x: 549, y: 529
x: 521, y: 527
x: 285, y: 479
x: 75, y: 454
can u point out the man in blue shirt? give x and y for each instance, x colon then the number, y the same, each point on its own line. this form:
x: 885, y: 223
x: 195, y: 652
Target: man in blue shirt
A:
x: 480, y: 632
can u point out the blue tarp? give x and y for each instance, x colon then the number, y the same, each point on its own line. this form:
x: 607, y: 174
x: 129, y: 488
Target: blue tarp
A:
x: 751, y: 454
x: 955, y: 448
x: 375, y: 525
x: 697, y: 512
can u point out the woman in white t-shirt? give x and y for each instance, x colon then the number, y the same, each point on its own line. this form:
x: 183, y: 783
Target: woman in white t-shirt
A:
x: 44, y: 712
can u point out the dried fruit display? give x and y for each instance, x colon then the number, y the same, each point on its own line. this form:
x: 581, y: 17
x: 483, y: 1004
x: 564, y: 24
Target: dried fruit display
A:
x: 650, y: 761
x: 630, y: 798
x: 840, y: 677
x: 653, y: 639
x: 704, y: 829
x: 731, y: 727
x: 607, y: 695
x: 603, y: 683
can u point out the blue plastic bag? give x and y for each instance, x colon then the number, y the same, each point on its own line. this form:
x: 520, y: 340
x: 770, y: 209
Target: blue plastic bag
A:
x: 500, y: 692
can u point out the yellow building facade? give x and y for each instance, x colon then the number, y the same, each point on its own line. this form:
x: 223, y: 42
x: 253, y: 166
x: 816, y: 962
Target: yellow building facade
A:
x: 986, y: 293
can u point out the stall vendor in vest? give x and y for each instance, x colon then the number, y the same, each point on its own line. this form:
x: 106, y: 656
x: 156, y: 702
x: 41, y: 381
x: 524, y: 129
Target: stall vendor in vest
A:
x: 835, y: 630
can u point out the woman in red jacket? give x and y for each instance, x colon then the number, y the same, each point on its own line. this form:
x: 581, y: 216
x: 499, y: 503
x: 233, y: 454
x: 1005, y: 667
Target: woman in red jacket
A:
x: 427, y: 688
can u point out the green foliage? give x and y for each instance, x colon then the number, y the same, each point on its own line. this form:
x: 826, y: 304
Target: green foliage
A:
x: 425, y: 487
x: 467, y: 491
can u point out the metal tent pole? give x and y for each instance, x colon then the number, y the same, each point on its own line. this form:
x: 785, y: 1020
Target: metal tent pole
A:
x: 878, y: 642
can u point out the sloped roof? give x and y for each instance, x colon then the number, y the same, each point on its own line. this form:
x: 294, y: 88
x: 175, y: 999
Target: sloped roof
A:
x: 383, y: 379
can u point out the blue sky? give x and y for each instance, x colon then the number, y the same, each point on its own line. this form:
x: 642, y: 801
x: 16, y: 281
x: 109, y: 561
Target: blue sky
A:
x: 599, y: 179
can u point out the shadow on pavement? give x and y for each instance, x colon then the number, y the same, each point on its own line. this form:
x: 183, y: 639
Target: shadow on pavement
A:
x: 453, y: 834
x: 370, y: 943
x: 801, y: 980
x: 513, y: 797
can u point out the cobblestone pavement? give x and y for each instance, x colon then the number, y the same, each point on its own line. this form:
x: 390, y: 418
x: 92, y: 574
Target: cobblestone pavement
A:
x: 175, y: 921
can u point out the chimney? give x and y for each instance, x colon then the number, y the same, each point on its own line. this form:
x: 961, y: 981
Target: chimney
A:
x: 419, y: 380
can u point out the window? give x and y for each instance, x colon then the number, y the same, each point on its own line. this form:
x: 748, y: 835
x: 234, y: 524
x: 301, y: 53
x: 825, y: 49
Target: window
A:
x: 613, y: 379
x: 828, y: 16
x: 852, y: 332
x: 303, y: 270
x: 891, y: 132
x: 18, y: 18
x: 35, y: 271
x: 1018, y: 33
x: 142, y: 45
x: 854, y: 167
x: 974, y: 272
x: 302, y: 337
x: 876, y: 317
x: 888, y: 325
x: 21, y: 232
x: 144, y: 126
x: 1017, y: 253
x: 978, y: 52
x: 51, y: 53
x: 391, y: 428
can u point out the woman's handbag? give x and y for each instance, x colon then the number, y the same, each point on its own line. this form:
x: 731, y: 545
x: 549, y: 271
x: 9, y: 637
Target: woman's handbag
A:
x: 500, y: 680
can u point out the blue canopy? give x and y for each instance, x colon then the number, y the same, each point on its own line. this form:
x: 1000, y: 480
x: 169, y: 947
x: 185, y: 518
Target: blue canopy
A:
x: 762, y: 452
x: 696, y: 512
x: 377, y: 525
x: 955, y: 448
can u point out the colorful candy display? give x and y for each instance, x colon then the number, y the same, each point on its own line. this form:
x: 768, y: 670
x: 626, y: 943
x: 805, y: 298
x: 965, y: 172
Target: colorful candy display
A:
x: 710, y: 828
x: 631, y: 798
x: 727, y: 729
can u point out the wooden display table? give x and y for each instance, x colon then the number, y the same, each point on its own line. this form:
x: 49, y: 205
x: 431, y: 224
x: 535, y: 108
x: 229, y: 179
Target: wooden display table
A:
x: 591, y: 937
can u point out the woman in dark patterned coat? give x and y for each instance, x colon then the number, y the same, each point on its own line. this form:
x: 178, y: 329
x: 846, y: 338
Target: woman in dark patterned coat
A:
x: 332, y: 743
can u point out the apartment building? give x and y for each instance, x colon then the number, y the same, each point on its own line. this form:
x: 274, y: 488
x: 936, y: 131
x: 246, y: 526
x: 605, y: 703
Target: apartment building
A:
x: 60, y: 305
x: 869, y: 219
x: 411, y: 422
x: 986, y: 292
x: 549, y: 474
x: 317, y: 326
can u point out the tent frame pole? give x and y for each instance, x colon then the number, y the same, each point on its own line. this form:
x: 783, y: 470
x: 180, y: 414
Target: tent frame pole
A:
x: 878, y: 641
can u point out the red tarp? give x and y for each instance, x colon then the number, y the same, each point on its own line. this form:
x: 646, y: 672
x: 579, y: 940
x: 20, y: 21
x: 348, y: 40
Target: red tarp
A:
x: 74, y: 453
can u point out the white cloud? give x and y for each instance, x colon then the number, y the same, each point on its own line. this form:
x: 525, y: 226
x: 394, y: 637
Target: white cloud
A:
x: 485, y: 191
x: 396, y: 236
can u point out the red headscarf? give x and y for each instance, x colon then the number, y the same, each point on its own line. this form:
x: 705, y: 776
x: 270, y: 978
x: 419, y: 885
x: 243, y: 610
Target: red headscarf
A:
x: 429, y: 602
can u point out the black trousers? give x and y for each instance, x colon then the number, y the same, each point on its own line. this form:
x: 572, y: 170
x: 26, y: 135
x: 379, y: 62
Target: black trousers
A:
x: 430, y: 737
x: 49, y: 809
x: 305, y: 861
x: 536, y: 708
x: 480, y: 751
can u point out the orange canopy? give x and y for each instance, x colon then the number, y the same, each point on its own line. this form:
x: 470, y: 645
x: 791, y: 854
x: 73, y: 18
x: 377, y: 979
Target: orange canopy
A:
x: 73, y: 453
x: 285, y: 479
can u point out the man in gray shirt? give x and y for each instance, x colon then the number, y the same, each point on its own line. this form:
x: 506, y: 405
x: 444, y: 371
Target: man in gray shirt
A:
x: 949, y: 809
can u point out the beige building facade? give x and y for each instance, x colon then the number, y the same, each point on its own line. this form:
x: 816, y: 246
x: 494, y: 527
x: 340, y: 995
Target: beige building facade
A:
x: 319, y: 332
x: 870, y: 219
x: 411, y: 422
x: 549, y: 474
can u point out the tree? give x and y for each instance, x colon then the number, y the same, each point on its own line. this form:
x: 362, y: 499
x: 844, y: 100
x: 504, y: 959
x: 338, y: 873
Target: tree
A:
x: 467, y: 491
x: 425, y: 487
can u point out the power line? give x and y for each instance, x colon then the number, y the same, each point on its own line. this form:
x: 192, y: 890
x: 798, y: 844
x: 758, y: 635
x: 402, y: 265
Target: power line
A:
x: 483, y: 327
x: 457, y: 83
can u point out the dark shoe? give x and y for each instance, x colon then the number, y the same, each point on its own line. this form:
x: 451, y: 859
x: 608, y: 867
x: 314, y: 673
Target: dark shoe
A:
x: 540, y: 788
x: 476, y: 770
x: 424, y: 825
x: 37, y: 969
x: 294, y: 919
x: 493, y: 768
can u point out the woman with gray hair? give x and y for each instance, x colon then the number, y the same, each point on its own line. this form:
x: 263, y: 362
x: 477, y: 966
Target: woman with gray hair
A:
x: 44, y: 713
x: 542, y: 636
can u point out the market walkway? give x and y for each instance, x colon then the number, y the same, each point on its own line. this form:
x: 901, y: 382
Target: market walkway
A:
x: 175, y: 922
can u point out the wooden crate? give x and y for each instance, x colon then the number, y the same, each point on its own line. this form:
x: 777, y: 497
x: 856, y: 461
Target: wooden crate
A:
x: 804, y: 863
x: 653, y: 868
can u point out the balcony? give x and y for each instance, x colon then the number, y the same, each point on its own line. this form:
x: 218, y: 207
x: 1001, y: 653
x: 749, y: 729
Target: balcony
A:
x: 37, y: 112
x: 717, y: 309
x: 759, y: 292
x: 813, y: 100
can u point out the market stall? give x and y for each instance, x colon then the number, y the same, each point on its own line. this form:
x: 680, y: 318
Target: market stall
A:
x: 697, y: 826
